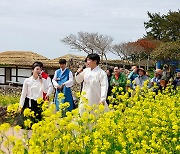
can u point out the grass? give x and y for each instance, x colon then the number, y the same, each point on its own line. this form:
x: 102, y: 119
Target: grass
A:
x: 5, y: 100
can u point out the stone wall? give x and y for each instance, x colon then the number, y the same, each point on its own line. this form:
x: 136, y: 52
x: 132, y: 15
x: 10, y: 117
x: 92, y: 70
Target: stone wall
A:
x: 6, y: 90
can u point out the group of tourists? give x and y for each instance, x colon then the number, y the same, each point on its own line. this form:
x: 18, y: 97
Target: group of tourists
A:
x: 138, y: 76
x: 95, y: 83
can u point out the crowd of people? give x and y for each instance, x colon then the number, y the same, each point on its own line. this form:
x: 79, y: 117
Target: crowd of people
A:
x: 95, y: 82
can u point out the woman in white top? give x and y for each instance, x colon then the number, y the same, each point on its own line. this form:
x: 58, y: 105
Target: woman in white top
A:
x: 33, y: 88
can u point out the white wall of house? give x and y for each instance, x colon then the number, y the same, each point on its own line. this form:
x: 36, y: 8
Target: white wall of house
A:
x: 21, y: 79
x: 2, y: 79
x: 2, y: 71
x: 24, y: 72
x: 13, y: 71
x: 13, y: 79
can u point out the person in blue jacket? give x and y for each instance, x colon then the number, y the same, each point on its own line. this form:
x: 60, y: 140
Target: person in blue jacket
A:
x: 63, y: 81
x: 133, y: 75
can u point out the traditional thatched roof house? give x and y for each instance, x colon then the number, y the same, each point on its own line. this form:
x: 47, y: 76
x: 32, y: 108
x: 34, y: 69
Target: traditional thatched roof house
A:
x: 15, y: 66
x: 20, y: 58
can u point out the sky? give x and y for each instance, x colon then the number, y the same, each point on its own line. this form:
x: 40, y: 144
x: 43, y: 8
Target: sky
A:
x: 39, y: 25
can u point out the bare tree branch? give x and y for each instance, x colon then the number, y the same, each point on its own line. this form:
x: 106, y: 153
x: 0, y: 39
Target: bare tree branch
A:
x: 89, y: 43
x: 130, y: 51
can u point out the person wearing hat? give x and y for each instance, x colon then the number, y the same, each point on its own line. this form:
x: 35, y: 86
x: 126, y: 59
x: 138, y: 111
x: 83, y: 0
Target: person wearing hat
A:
x: 133, y: 75
x: 139, y: 81
x: 157, y: 77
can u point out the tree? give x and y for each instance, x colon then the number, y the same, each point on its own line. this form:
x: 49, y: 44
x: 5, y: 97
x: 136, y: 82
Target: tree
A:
x: 163, y: 27
x: 130, y: 51
x: 121, y: 51
x: 89, y: 43
x: 167, y: 51
x: 149, y: 46
x: 137, y: 52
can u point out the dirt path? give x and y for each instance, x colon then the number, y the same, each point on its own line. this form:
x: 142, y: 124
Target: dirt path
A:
x: 19, y: 135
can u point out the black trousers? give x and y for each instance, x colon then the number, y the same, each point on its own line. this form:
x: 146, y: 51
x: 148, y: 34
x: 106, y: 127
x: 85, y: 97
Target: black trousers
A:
x: 34, y: 107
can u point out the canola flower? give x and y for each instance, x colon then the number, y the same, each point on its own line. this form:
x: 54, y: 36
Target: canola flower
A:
x: 142, y: 123
x: 17, y: 128
x: 12, y: 109
x: 4, y: 127
x: 61, y: 96
x: 28, y: 113
x: 40, y: 101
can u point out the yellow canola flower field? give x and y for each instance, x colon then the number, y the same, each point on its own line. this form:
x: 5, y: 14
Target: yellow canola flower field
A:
x: 140, y: 123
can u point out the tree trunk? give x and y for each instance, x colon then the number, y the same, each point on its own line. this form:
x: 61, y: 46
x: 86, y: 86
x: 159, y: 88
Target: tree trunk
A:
x: 106, y: 60
x: 139, y: 61
x: 148, y: 63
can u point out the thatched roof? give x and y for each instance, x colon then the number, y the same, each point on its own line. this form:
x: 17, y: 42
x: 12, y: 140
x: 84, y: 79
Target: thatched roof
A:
x: 27, y: 58
x: 20, y: 58
x: 71, y: 56
x: 67, y: 57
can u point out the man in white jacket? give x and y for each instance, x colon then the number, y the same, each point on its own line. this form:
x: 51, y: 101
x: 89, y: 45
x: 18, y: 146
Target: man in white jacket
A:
x: 95, y: 82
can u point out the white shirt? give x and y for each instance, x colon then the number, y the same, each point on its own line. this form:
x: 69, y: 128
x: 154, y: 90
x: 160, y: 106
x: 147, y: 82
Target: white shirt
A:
x: 95, y: 85
x: 49, y: 86
x: 33, y: 89
x: 68, y: 83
